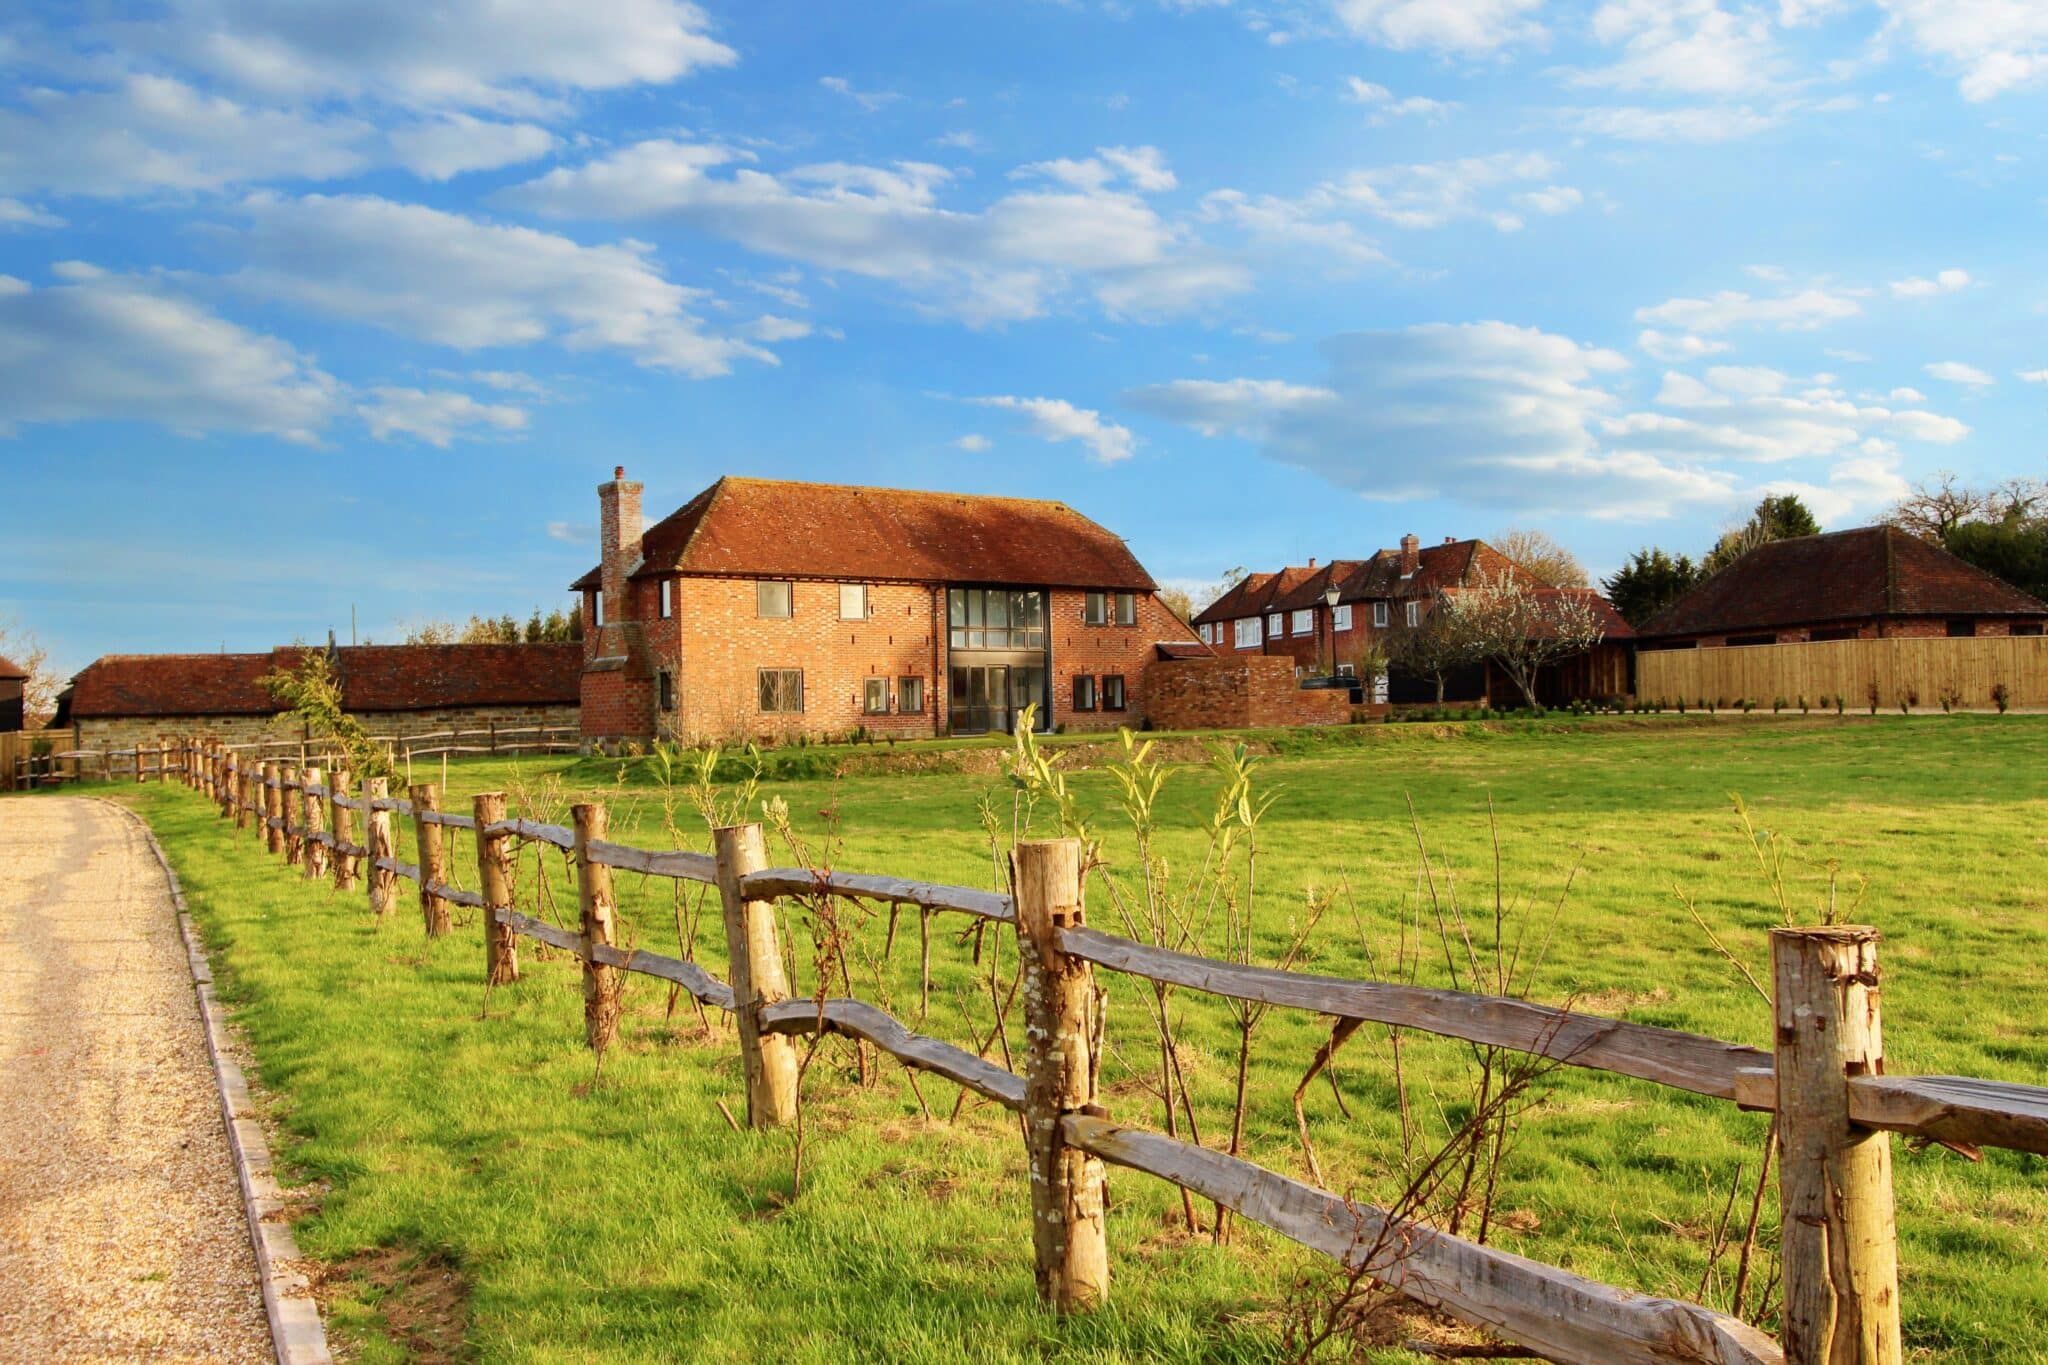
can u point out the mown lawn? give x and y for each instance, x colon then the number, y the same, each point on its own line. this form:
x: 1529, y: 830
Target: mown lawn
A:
x: 484, y: 1194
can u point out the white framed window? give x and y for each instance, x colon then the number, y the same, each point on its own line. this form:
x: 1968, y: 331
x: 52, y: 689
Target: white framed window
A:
x: 774, y: 600
x: 781, y: 689
x: 1127, y: 609
x: 1095, y: 609
x: 1273, y: 624
x: 909, y: 696
x: 853, y: 601
x: 875, y: 697
x: 1304, y: 621
x: 1247, y: 632
x: 668, y: 598
x: 1414, y: 614
x: 1340, y: 617
x: 597, y: 608
x: 1379, y: 614
x: 1347, y: 670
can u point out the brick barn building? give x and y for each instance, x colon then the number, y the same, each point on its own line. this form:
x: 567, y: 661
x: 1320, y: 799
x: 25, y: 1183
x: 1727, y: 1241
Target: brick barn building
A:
x: 1872, y: 583
x: 764, y: 609
x: 396, y: 690
x: 1330, y: 620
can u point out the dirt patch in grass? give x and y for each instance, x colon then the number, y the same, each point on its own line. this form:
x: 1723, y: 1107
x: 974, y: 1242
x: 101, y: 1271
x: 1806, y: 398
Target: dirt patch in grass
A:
x: 419, y: 1300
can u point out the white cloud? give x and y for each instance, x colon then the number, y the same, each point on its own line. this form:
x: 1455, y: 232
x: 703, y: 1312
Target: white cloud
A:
x: 155, y: 133
x: 1055, y: 419
x: 1703, y: 123
x: 870, y: 100
x: 1956, y: 372
x: 960, y: 140
x: 454, y: 281
x: 1465, y: 27
x: 100, y: 346
x: 1008, y: 261
x: 974, y: 443
x: 1293, y: 223
x: 518, y: 55
x: 2033, y: 376
x: 1551, y: 199
x: 445, y: 147
x: 1905, y: 394
x: 1995, y: 45
x: 1800, y: 310
x: 1515, y: 417
x: 1386, y: 106
x: 1431, y: 194
x: 438, y: 416
x: 1678, y: 345
x: 1689, y: 47
x: 1917, y: 287
x: 15, y: 214
x: 573, y: 532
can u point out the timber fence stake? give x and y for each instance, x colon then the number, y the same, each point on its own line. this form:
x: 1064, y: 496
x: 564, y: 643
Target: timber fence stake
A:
x: 224, y: 781
x: 600, y: 915
x: 377, y: 844
x: 494, y: 874
x: 241, y: 771
x: 343, y: 822
x: 426, y: 800
x: 287, y: 784
x: 273, y: 837
x: 757, y: 979
x: 1067, y: 1198
x: 316, y: 823
x: 1839, y: 1242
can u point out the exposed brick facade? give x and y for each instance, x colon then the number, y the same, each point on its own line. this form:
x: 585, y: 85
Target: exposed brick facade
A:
x: 1246, y: 691
x: 712, y: 643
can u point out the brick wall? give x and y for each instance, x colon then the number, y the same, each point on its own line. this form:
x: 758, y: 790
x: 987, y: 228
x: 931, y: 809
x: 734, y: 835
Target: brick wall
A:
x: 125, y: 732
x: 1308, y: 650
x: 1079, y: 648
x: 1234, y: 693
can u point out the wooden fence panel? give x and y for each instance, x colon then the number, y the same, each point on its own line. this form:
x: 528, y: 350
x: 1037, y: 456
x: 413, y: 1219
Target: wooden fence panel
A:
x: 1967, y: 669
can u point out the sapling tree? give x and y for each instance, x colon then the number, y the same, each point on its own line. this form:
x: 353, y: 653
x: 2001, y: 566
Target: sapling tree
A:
x: 1521, y: 627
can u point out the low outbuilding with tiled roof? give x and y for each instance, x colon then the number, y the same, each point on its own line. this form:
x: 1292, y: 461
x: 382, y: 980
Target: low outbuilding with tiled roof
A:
x: 13, y: 685
x: 398, y: 690
x: 1873, y: 582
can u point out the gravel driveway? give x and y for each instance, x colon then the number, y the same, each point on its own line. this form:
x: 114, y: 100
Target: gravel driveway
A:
x: 121, y: 1227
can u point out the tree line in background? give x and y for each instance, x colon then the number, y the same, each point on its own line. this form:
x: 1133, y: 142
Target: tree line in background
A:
x: 1653, y: 578
x: 2003, y: 530
x: 555, y: 628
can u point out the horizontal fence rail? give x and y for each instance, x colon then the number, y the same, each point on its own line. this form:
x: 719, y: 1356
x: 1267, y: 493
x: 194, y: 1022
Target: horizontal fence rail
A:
x: 1824, y: 976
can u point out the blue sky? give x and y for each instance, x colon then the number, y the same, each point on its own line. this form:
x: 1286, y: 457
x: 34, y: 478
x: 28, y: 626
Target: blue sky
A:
x: 352, y: 303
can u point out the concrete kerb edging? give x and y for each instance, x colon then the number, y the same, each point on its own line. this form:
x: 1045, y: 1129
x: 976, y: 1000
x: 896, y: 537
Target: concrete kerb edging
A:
x: 296, y: 1332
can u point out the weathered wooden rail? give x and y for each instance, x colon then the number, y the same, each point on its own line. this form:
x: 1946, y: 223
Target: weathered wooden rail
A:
x: 1824, y: 1079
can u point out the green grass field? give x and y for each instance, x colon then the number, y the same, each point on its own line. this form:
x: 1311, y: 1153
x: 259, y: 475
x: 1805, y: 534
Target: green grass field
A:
x: 482, y: 1195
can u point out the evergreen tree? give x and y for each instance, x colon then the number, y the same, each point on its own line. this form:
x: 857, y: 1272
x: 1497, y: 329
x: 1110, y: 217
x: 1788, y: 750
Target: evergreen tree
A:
x: 1650, y: 581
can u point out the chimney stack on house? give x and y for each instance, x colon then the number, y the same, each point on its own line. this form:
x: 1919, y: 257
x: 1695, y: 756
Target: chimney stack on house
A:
x: 619, y: 508
x: 1411, y: 554
x: 1311, y: 561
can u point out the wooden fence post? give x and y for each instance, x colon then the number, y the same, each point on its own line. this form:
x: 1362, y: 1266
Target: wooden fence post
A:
x: 600, y: 915
x: 757, y: 978
x: 241, y: 770
x: 1839, y: 1243
x: 426, y: 800
x: 273, y: 837
x: 287, y: 786
x: 163, y: 762
x: 1059, y: 1078
x: 377, y: 845
x: 494, y: 874
x: 224, y: 780
x: 343, y: 822
x: 316, y: 823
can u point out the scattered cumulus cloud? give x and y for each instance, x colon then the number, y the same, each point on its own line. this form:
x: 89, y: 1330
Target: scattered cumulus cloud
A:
x: 1796, y: 310
x: 2034, y: 376
x: 1685, y: 47
x: 1677, y: 345
x: 1956, y: 372
x: 438, y: 417
x: 1698, y: 123
x: 1055, y: 419
x: 1918, y: 287
x: 573, y: 532
x: 974, y: 443
x: 870, y: 100
x: 1387, y: 106
x: 445, y: 147
x: 1991, y: 46
x: 1469, y: 28
x: 15, y: 214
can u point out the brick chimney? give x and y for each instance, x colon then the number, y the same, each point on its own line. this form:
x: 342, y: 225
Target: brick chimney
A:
x: 1311, y: 561
x: 619, y: 520
x: 1411, y: 554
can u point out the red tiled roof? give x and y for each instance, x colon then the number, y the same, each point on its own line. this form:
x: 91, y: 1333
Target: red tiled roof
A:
x: 756, y: 528
x: 1183, y: 649
x: 373, y: 677
x: 10, y: 669
x: 1873, y: 571
x: 1450, y: 564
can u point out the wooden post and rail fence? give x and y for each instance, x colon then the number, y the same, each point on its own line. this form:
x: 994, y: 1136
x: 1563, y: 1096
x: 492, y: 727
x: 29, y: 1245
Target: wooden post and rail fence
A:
x: 1824, y: 1079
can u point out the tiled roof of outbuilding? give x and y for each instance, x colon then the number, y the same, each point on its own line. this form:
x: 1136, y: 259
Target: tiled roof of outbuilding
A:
x: 10, y: 669
x: 1872, y: 571
x: 373, y: 678
x: 769, y: 528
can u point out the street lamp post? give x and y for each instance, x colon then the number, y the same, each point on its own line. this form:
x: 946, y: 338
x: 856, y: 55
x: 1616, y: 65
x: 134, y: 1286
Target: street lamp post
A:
x: 1330, y: 603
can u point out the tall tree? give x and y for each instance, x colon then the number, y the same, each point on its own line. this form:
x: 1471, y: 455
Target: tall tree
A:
x: 2014, y: 548
x: 1780, y: 516
x: 1178, y: 601
x: 1201, y: 599
x: 1440, y: 646
x: 1543, y: 556
x: 1650, y: 581
x: 39, y: 690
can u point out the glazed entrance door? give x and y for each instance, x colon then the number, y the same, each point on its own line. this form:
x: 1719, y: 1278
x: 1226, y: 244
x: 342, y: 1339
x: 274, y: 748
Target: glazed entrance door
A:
x: 987, y: 697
